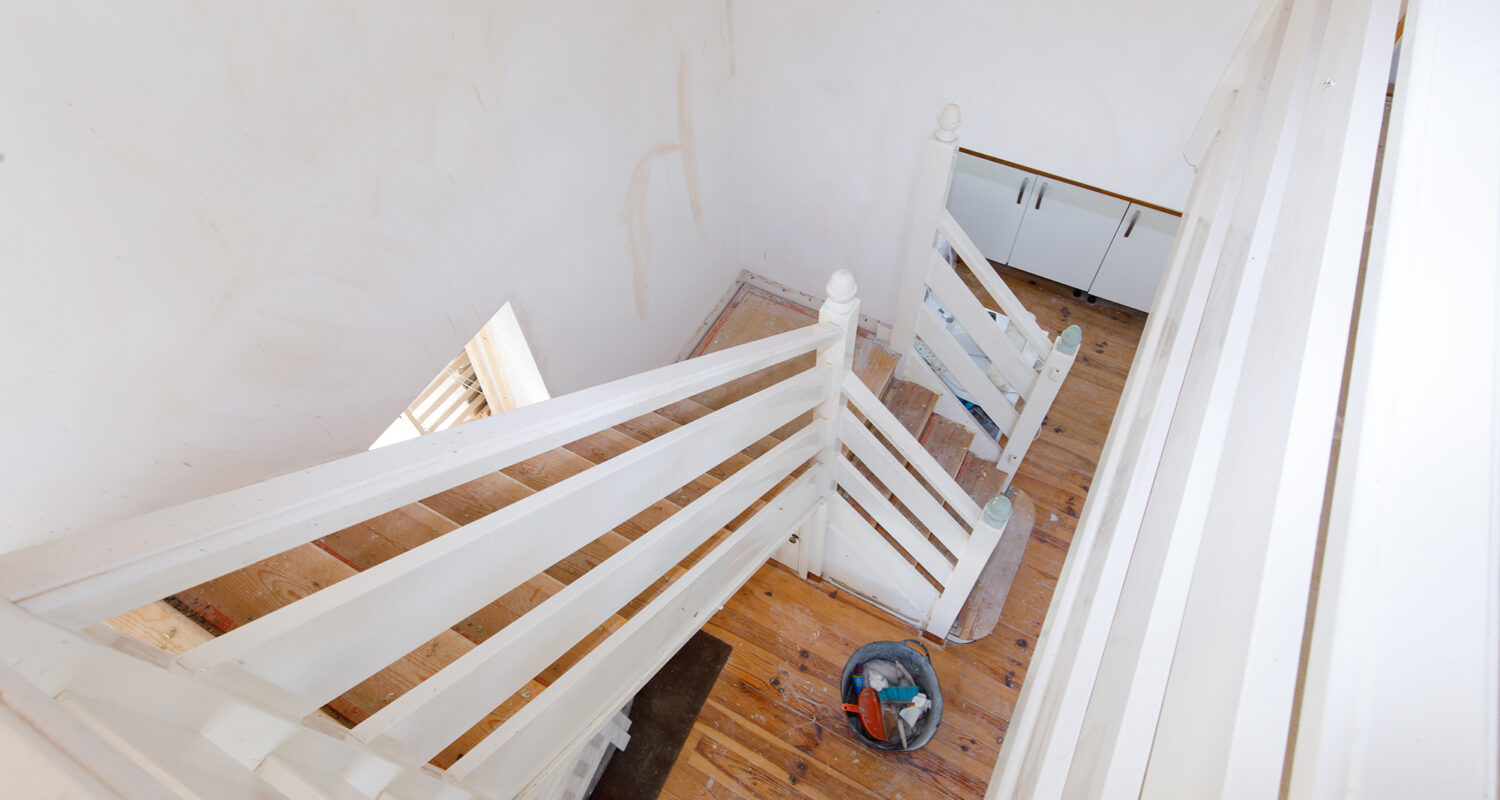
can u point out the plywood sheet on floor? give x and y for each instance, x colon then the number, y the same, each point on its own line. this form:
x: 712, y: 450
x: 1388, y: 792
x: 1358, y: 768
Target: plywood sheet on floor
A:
x: 754, y: 314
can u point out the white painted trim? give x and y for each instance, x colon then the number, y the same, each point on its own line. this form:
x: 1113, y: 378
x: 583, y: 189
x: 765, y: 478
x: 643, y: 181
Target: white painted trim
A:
x: 1412, y: 557
x: 1121, y: 699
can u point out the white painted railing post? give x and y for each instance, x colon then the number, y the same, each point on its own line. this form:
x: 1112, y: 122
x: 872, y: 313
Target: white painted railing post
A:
x: 931, y: 200
x: 1048, y: 382
x: 976, y: 554
x: 842, y: 309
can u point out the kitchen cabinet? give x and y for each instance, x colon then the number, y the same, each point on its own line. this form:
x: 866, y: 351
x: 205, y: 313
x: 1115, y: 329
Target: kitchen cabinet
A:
x: 1066, y: 231
x: 1133, y: 265
x: 1091, y: 240
x: 988, y: 200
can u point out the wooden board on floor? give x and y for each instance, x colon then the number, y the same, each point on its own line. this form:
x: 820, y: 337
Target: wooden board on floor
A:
x: 754, y: 314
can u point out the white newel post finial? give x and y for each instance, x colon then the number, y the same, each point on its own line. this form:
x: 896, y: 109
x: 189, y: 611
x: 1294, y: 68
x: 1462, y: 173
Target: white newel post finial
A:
x: 841, y: 288
x: 840, y: 310
x: 948, y: 124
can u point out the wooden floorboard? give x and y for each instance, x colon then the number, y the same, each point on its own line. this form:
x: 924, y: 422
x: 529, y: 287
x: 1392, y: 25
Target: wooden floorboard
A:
x: 772, y: 727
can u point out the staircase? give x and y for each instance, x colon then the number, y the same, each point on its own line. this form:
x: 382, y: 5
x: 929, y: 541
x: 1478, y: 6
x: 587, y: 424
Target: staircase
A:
x: 463, y: 615
x: 902, y: 581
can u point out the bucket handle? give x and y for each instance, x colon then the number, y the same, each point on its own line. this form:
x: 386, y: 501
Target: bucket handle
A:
x: 925, y: 654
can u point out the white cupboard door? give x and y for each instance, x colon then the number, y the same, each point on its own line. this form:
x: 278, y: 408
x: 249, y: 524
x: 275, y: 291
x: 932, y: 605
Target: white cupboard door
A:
x: 1132, y: 268
x: 987, y: 200
x: 1065, y: 232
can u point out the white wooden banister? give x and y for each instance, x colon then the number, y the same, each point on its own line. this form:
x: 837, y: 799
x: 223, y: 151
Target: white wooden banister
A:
x: 239, y: 703
x: 841, y: 311
x: 981, y: 389
x: 869, y: 406
x: 1024, y: 365
x: 955, y: 296
x: 90, y: 576
x: 420, y: 723
x: 589, y: 692
x: 1011, y: 305
x: 1049, y: 381
x: 231, y: 717
x: 929, y: 202
x: 928, y: 509
x: 304, y: 654
x: 972, y: 559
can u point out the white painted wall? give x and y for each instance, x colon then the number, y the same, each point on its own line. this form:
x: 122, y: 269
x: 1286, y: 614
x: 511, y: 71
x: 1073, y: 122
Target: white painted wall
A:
x: 838, y: 95
x: 238, y: 238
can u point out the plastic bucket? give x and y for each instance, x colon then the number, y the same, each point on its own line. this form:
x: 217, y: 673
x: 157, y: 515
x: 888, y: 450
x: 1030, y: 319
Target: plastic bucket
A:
x: 920, y: 667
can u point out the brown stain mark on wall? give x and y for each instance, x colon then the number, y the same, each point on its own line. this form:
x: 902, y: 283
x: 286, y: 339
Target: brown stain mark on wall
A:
x: 638, y: 227
x: 633, y: 215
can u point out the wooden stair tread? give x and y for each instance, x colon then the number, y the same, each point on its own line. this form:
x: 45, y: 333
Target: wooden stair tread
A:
x: 982, y: 479
x: 912, y: 403
x: 948, y: 442
x: 874, y: 365
x: 160, y: 625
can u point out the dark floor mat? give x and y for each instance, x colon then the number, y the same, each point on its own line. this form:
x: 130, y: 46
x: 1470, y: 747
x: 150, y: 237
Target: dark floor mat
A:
x: 661, y: 717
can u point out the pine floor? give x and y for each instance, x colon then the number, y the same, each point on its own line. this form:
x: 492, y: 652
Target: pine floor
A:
x: 772, y: 727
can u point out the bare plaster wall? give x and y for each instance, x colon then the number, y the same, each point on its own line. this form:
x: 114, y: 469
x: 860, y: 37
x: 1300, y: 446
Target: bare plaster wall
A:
x: 838, y: 96
x: 237, y: 238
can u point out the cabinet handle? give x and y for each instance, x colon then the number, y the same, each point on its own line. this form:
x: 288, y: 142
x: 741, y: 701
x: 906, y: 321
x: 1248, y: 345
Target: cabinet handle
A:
x: 1040, y: 190
x: 1131, y: 226
x: 1021, y: 195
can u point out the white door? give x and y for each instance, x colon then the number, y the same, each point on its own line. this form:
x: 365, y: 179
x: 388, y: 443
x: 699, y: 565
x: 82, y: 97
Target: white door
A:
x: 1132, y: 268
x: 1065, y: 232
x: 987, y: 200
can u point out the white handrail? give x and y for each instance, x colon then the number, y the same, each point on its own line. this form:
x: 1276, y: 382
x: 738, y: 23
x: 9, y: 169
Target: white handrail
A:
x: 90, y: 576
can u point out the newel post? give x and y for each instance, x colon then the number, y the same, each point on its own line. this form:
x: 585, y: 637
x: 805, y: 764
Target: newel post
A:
x: 1048, y: 382
x: 931, y: 198
x: 971, y: 562
x: 841, y: 309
